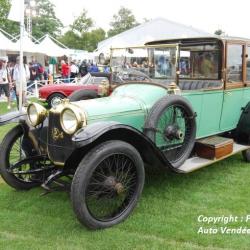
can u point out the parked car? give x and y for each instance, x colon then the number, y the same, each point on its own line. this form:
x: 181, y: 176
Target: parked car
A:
x: 88, y: 87
x: 194, y: 111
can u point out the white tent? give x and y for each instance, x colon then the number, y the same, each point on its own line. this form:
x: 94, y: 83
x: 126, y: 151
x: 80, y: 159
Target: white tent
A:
x: 156, y: 29
x: 28, y: 45
x: 48, y: 47
x: 5, y: 43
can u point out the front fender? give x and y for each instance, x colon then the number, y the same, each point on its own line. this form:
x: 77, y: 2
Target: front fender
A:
x: 102, y: 131
x: 11, y: 117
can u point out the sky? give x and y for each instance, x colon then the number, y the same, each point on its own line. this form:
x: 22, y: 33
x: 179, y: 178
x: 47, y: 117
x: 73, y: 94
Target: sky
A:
x: 230, y: 16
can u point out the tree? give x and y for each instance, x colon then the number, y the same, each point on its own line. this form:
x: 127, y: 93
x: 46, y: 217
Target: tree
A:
x: 219, y: 32
x: 80, y: 36
x: 45, y: 21
x: 5, y: 24
x: 71, y: 40
x: 92, y: 38
x: 122, y: 21
x: 82, y: 23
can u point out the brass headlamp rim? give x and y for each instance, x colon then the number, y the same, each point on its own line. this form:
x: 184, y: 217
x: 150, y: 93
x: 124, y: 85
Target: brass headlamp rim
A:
x: 79, y: 114
x: 41, y: 114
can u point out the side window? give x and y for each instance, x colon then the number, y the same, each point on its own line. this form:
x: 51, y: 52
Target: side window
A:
x: 234, y: 63
x: 200, y: 62
x: 248, y: 64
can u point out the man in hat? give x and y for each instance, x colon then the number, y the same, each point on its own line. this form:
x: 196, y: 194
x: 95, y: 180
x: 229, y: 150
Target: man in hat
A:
x: 5, y: 80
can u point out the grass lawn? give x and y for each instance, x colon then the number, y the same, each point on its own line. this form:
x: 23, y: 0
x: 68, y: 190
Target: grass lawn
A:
x: 165, y: 218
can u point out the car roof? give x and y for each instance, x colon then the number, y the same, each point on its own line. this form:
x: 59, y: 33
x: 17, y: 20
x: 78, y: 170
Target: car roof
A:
x: 198, y: 40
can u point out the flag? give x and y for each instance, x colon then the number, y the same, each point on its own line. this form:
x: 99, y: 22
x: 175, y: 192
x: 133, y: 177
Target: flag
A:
x: 15, y: 10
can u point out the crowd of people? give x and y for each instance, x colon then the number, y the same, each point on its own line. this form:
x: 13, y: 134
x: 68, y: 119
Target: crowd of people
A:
x: 11, y: 77
x: 70, y: 71
x: 35, y: 71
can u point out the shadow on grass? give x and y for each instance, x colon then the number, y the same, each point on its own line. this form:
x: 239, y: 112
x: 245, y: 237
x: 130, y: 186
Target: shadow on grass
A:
x: 166, y: 214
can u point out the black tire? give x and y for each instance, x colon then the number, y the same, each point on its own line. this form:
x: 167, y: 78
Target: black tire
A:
x: 8, y: 143
x: 163, y: 127
x: 82, y: 94
x: 55, y: 99
x: 246, y: 155
x: 105, y: 189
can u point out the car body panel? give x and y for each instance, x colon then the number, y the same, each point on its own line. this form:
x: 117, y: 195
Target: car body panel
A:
x: 231, y: 109
x: 127, y: 104
x: 208, y: 106
x: 66, y: 89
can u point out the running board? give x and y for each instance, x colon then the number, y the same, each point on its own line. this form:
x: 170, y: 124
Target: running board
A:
x: 195, y: 163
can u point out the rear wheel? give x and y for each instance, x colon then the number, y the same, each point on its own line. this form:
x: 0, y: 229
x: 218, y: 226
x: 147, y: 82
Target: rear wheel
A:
x: 107, y: 184
x: 171, y: 126
x: 55, y: 99
x: 246, y: 155
x: 14, y: 149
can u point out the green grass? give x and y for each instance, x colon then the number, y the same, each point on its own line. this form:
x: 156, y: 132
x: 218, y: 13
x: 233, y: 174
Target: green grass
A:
x: 165, y: 218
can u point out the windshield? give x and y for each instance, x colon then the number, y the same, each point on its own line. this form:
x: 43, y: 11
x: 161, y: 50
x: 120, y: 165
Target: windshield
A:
x: 86, y: 79
x: 143, y: 63
x: 162, y: 63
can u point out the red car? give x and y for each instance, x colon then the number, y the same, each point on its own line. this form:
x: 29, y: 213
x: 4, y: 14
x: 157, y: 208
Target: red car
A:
x: 90, y: 86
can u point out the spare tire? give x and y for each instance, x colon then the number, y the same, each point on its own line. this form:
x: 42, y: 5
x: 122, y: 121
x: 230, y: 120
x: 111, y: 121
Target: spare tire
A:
x: 171, y: 126
x: 82, y: 94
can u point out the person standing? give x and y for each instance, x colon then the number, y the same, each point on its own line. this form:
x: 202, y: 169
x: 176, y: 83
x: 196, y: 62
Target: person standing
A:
x: 74, y: 70
x: 17, y: 79
x: 83, y: 68
x: 65, y: 71
x: 5, y: 80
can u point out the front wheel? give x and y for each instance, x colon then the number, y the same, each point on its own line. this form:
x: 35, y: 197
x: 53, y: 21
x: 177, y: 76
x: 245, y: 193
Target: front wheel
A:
x: 14, y: 149
x: 107, y: 184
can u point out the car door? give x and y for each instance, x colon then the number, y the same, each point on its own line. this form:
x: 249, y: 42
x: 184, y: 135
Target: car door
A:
x: 234, y: 87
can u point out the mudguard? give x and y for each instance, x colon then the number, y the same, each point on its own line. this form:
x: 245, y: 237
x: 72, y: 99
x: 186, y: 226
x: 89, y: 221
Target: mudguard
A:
x: 101, y: 131
x: 10, y: 117
x: 243, y: 126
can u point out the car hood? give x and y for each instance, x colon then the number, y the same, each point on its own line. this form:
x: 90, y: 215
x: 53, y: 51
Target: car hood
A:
x: 126, y: 103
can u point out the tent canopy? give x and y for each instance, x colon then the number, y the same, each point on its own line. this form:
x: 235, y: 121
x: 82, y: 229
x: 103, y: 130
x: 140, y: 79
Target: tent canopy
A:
x: 49, y: 47
x: 28, y: 45
x: 156, y: 29
x: 5, y: 43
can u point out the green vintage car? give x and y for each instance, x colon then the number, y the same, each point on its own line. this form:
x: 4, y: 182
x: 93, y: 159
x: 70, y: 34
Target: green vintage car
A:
x: 187, y: 107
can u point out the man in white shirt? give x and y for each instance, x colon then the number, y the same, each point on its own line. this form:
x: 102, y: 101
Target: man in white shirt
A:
x: 17, y: 80
x: 74, y: 70
x: 5, y: 80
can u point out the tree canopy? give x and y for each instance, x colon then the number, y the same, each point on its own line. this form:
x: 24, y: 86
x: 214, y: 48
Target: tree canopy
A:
x: 6, y: 24
x: 219, y: 32
x: 82, y: 23
x: 122, y: 21
x: 81, y: 34
x: 45, y: 21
